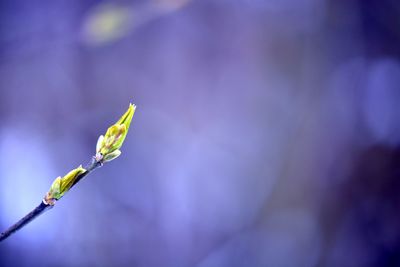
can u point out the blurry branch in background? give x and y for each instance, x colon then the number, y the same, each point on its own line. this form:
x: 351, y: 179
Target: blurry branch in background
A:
x: 109, y: 22
x: 107, y: 149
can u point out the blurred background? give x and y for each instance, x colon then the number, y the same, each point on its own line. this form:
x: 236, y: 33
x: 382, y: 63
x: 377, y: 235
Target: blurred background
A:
x: 266, y: 134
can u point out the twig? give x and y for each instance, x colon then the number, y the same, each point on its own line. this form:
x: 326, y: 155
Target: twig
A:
x: 24, y: 221
x: 107, y: 149
x: 42, y: 207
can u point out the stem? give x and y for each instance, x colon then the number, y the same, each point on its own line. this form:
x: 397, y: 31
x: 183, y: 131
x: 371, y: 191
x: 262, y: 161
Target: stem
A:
x: 24, y: 221
x: 89, y: 168
x: 44, y: 207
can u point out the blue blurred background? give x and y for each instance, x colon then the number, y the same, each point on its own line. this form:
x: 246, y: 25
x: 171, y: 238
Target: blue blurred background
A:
x: 267, y: 132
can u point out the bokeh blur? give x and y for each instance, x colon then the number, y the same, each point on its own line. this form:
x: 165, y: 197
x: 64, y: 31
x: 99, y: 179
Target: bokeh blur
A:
x: 266, y: 134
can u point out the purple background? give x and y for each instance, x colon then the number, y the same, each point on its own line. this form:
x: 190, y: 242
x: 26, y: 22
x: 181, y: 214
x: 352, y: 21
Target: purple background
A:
x: 267, y: 132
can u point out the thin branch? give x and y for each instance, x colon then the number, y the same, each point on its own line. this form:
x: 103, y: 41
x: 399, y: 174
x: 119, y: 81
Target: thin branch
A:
x: 39, y: 210
x: 107, y: 149
x: 24, y: 221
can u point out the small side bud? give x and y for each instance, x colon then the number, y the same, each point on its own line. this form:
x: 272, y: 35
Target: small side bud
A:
x: 54, y: 193
x: 60, y: 186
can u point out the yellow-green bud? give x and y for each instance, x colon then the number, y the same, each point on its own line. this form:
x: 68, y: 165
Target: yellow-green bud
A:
x: 108, y: 146
x: 61, y: 186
